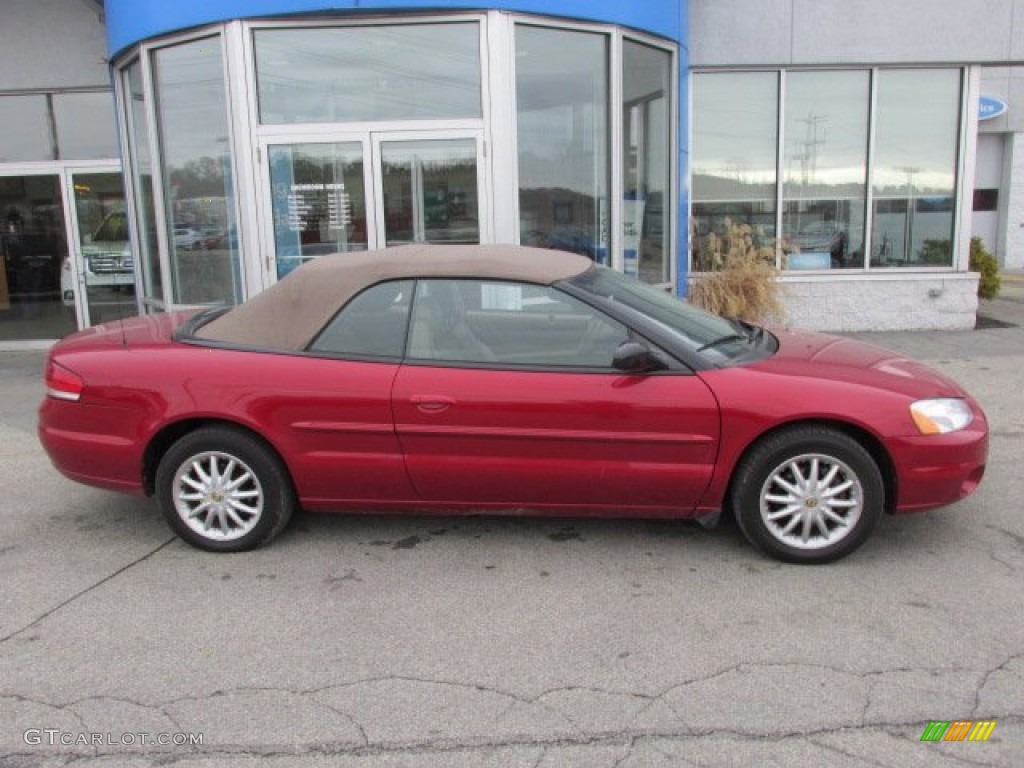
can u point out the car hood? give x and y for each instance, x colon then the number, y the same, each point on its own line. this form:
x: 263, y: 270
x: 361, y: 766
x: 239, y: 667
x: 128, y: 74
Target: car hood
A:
x: 106, y: 247
x: 823, y: 356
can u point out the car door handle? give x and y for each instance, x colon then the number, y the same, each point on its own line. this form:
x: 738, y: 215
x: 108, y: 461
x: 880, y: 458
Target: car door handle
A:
x: 432, y: 403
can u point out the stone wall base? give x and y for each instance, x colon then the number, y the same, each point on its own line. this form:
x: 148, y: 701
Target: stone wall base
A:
x: 888, y: 302
x: 932, y: 302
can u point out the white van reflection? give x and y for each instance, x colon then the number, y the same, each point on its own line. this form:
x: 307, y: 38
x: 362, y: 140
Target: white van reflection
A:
x: 107, y: 257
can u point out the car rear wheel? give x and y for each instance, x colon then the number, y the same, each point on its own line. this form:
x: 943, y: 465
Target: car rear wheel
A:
x: 223, y: 490
x: 808, y: 495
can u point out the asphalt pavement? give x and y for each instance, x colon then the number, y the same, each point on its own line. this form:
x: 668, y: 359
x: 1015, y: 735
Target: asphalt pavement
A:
x: 492, y: 642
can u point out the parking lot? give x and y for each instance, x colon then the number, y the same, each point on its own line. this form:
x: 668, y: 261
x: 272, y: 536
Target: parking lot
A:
x: 400, y: 641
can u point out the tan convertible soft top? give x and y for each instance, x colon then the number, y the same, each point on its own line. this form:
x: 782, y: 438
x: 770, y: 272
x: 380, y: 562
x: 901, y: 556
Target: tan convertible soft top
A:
x: 290, y: 313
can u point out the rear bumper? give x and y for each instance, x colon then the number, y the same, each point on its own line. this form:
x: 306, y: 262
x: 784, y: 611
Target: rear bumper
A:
x: 937, y: 470
x: 90, y: 454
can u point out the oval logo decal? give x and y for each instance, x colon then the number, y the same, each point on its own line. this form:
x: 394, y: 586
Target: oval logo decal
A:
x: 990, y: 107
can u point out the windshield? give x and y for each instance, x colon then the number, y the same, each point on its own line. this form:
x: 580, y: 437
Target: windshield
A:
x: 695, y: 328
x: 114, y: 229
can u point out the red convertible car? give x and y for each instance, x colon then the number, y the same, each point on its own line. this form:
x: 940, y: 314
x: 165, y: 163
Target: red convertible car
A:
x: 502, y: 379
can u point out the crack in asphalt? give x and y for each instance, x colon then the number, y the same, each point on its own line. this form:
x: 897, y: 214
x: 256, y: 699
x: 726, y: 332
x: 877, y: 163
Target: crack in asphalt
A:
x: 574, y: 734
x: 627, y: 740
x: 86, y: 591
x: 345, y: 715
x: 630, y: 747
x: 984, y: 681
x: 1016, y: 538
x: 996, y: 559
x: 540, y: 758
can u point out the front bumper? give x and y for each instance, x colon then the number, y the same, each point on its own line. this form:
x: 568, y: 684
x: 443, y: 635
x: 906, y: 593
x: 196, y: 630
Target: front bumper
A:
x: 937, y: 470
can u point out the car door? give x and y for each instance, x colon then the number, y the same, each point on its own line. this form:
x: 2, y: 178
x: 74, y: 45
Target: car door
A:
x: 337, y: 414
x: 508, y: 397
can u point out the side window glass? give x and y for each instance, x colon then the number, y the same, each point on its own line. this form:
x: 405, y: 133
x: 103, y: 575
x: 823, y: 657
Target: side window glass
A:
x: 509, y: 324
x: 372, y: 324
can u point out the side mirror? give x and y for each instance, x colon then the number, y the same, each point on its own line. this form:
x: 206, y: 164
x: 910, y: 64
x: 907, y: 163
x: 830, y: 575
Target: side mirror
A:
x: 634, y: 357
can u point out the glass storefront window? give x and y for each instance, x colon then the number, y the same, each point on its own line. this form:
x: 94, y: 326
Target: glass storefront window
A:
x: 33, y: 250
x: 142, y: 178
x: 735, y: 150
x: 562, y: 104
x: 85, y: 125
x: 825, y: 169
x: 198, y: 183
x: 647, y: 108
x: 25, y: 129
x: 914, y: 181
x: 367, y: 73
x: 372, y: 132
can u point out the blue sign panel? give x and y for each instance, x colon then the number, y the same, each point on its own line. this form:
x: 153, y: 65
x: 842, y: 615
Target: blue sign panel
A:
x: 990, y: 107
x: 131, y: 21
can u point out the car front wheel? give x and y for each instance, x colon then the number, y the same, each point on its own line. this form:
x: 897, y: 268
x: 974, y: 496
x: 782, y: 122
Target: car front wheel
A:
x: 223, y: 490
x: 808, y: 495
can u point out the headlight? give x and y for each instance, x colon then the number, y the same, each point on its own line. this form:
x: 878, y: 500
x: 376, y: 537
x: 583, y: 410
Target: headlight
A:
x: 941, y: 415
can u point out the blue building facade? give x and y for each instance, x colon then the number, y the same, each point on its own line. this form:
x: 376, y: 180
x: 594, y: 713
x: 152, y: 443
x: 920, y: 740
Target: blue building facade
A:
x: 132, y: 21
x: 259, y: 135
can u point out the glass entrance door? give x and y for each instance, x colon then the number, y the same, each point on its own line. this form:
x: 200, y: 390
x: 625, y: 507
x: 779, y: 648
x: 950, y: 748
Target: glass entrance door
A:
x: 368, y: 191
x: 33, y: 248
x: 429, y: 191
x: 318, y: 201
x: 103, y: 281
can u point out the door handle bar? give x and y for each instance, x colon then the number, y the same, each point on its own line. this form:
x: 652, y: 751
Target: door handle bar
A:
x: 432, y: 403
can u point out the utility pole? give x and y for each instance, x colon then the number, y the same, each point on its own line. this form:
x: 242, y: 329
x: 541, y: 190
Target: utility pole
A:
x: 809, y: 157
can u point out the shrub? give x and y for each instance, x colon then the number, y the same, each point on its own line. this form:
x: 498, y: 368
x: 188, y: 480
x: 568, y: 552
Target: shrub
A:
x: 983, y: 261
x: 937, y: 252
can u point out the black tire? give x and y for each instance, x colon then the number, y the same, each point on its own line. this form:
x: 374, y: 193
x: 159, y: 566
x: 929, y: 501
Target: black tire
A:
x: 244, y: 509
x: 782, y: 510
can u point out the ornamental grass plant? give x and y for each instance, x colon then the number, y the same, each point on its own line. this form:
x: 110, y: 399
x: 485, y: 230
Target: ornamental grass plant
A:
x: 742, y: 279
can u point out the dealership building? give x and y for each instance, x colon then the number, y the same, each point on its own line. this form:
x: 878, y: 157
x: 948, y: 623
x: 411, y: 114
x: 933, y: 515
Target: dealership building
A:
x: 157, y: 155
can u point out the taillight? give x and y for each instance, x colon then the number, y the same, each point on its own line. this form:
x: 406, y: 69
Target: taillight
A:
x: 62, y: 383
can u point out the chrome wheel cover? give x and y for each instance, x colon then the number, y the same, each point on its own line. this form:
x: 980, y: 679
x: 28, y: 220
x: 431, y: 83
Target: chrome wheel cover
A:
x: 811, y: 501
x: 218, y: 496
